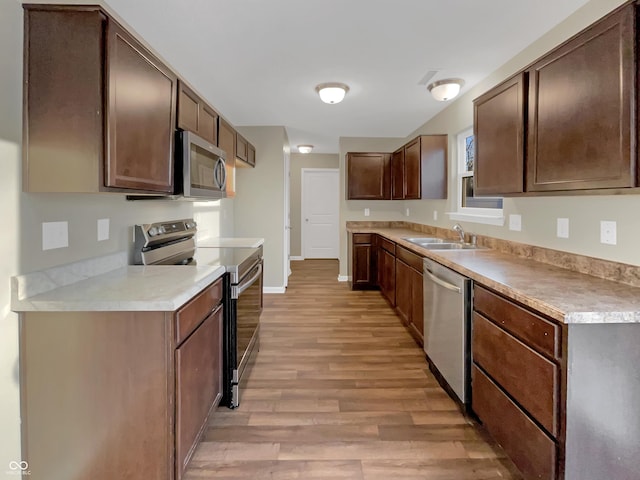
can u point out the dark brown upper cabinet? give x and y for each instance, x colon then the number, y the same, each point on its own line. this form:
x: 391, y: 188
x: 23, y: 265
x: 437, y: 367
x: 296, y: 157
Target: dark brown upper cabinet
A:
x: 397, y: 175
x: 581, y: 110
x: 245, y: 152
x: 419, y: 169
x: 195, y: 115
x: 566, y: 123
x: 99, y: 108
x: 227, y: 142
x: 368, y: 176
x: 499, y: 130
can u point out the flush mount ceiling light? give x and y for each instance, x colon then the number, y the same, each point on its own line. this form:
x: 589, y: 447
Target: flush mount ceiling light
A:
x: 444, y: 90
x: 332, y: 92
x: 305, y: 148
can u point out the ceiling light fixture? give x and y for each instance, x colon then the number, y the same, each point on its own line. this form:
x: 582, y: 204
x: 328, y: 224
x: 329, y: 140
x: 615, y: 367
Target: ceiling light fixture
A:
x: 332, y: 92
x: 444, y: 90
x: 305, y: 148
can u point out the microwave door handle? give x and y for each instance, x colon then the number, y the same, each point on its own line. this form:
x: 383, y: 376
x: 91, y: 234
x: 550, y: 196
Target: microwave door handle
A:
x: 220, y: 174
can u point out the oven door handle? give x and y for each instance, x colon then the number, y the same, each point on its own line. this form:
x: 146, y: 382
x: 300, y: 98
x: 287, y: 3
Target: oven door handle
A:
x: 247, y: 283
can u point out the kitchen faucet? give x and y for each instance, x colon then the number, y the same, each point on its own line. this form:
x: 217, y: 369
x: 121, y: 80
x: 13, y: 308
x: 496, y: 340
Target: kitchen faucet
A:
x: 457, y: 228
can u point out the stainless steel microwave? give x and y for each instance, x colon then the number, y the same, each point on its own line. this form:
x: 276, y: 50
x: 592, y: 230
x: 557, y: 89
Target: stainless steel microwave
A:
x: 200, y: 168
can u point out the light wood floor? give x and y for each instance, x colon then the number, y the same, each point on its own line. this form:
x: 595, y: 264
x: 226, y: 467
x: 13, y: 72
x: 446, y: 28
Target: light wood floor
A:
x: 341, y: 391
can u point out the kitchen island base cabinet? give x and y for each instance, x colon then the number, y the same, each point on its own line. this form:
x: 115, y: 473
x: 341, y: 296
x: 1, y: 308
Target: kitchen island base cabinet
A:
x: 118, y: 394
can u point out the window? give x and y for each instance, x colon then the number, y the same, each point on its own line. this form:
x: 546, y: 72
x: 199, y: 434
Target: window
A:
x: 468, y: 206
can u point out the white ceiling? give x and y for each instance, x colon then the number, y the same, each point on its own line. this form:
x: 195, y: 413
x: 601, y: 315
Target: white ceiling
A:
x: 258, y: 61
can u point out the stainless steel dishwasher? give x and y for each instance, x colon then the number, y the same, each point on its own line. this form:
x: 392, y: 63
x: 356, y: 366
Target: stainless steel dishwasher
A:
x: 447, y: 328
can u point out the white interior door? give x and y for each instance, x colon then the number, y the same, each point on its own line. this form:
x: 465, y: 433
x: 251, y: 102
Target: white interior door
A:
x: 320, y: 212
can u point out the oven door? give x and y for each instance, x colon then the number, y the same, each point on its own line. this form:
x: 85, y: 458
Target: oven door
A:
x: 248, y: 310
x: 204, y: 172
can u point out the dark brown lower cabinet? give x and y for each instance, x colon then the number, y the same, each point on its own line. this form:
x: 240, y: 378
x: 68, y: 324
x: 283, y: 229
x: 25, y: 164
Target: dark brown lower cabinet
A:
x: 517, y: 382
x: 119, y: 394
x: 409, y: 288
x: 532, y: 450
x: 363, y: 262
x: 387, y: 271
x: 198, y: 385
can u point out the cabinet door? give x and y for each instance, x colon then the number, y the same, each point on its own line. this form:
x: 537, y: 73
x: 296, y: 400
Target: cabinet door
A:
x: 368, y: 176
x: 412, y: 173
x: 141, y: 99
x: 417, y: 305
x: 387, y: 275
x: 433, y: 166
x: 227, y: 142
x: 397, y: 175
x: 195, y: 115
x: 403, y: 291
x: 581, y: 110
x: 251, y: 155
x: 198, y: 385
x: 362, y: 275
x: 498, y: 128
x: 242, y: 148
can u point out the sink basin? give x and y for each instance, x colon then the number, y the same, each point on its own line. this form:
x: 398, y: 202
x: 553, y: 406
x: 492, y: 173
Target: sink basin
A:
x: 423, y: 241
x: 452, y: 246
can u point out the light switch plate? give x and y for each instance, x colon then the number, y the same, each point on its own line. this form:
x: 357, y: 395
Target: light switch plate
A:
x: 407, y: 212
x: 366, y: 212
x: 435, y: 214
x: 562, y: 226
x: 103, y: 229
x: 515, y: 222
x: 55, y: 235
x: 608, y: 232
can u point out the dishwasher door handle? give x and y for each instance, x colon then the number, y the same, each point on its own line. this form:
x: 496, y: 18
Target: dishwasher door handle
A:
x: 441, y: 282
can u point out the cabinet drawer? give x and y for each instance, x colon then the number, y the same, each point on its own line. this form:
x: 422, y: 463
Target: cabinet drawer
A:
x: 527, y: 376
x: 194, y: 312
x: 527, y: 326
x: 387, y: 245
x: 533, y: 452
x: 362, y: 237
x: 410, y: 258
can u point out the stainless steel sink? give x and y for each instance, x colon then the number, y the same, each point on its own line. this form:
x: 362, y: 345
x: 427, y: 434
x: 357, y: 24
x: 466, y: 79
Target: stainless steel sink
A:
x: 452, y: 246
x: 432, y: 243
x: 424, y: 241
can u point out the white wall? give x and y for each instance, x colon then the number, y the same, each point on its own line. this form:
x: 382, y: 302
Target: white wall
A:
x: 23, y: 214
x: 260, y: 200
x: 298, y: 162
x: 538, y: 214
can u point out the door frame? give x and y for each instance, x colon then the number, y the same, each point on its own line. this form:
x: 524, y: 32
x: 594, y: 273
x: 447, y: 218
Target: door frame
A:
x: 287, y: 217
x: 302, y: 205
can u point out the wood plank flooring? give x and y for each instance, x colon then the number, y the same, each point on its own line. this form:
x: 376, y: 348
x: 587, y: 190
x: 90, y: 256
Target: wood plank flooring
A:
x: 341, y: 391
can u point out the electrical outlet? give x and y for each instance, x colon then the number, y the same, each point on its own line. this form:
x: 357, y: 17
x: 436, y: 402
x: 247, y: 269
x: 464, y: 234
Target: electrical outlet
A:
x: 55, y: 235
x: 407, y: 212
x: 366, y: 212
x: 608, y: 232
x: 515, y: 222
x: 103, y: 229
x: 435, y: 214
x: 562, y: 228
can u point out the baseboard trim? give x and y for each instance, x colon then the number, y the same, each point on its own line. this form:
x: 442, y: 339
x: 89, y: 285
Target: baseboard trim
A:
x: 295, y: 259
x: 269, y: 290
x: 344, y: 278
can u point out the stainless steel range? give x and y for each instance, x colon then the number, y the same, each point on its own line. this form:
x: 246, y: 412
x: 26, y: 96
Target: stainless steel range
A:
x: 173, y: 243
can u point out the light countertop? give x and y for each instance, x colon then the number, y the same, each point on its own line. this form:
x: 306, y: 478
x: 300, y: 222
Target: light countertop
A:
x: 239, y: 242
x: 83, y: 287
x: 564, y: 295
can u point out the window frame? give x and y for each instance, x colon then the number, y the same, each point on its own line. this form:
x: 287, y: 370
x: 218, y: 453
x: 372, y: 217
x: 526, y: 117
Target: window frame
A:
x: 491, y: 216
